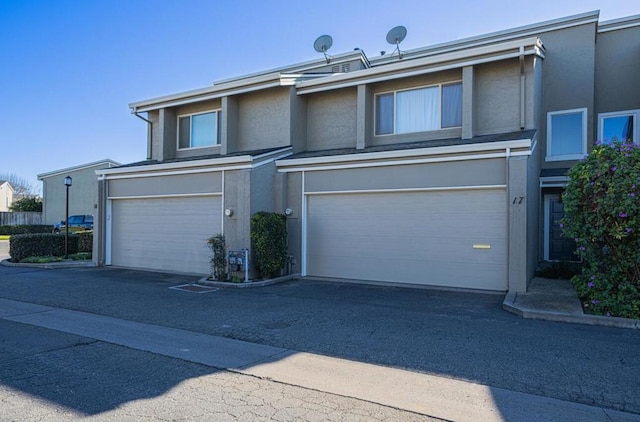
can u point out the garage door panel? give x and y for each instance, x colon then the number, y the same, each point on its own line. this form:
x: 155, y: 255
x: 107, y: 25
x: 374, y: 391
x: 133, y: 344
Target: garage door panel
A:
x: 410, y: 237
x: 386, y: 224
x: 419, y: 249
x: 164, y: 234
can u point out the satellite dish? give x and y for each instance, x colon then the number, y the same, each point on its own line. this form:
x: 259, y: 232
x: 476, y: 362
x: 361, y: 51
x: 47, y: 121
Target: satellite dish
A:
x: 395, y: 36
x: 322, y: 44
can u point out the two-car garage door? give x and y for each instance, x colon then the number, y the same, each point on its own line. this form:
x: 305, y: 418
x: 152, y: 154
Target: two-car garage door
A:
x: 164, y: 233
x: 452, y: 238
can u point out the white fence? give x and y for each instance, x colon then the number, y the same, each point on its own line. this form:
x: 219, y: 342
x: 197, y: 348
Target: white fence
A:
x: 20, y: 218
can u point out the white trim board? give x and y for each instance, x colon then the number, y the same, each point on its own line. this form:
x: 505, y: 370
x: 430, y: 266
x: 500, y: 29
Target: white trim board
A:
x: 166, y: 195
x: 501, y: 146
x: 195, y: 166
x: 110, y: 163
x: 402, y: 190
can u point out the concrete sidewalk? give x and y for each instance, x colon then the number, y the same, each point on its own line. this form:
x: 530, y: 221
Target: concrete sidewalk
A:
x: 421, y: 393
x: 556, y: 300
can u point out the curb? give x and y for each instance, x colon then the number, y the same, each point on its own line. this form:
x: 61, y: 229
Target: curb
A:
x: 50, y: 265
x: 509, y: 305
x: 247, y: 285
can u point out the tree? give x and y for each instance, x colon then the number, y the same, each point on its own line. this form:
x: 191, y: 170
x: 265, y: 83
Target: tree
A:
x: 21, y: 186
x: 27, y: 204
x: 602, y: 214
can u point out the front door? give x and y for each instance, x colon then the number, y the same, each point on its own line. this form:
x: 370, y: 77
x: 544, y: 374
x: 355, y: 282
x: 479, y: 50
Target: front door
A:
x: 560, y: 248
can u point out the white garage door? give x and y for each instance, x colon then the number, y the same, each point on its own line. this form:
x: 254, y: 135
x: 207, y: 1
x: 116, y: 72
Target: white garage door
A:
x: 166, y: 234
x: 444, y: 238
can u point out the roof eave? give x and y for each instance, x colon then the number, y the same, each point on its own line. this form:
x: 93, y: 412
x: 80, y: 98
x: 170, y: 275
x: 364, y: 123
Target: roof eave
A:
x: 430, y: 64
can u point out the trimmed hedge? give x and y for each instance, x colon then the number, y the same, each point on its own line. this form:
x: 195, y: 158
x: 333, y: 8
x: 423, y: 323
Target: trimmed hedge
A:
x: 269, y: 237
x: 25, y: 229
x: 22, y: 246
x: 85, y: 241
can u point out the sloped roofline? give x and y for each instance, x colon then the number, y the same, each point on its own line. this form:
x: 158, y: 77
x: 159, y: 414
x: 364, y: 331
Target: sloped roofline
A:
x: 619, y: 23
x: 524, y: 31
x: 282, y: 76
x: 107, y: 161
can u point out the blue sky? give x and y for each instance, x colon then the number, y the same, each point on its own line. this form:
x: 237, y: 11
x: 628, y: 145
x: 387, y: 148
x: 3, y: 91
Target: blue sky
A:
x: 70, y: 68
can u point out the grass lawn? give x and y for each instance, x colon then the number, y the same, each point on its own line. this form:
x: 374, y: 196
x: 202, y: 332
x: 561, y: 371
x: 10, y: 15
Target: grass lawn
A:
x: 4, y: 237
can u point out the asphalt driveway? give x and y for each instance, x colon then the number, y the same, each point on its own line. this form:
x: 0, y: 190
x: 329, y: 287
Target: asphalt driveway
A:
x: 458, y: 335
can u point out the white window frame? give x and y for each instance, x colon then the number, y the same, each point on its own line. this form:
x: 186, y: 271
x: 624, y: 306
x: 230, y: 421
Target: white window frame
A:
x: 190, y: 115
x: 635, y: 114
x: 578, y: 156
x: 394, y: 92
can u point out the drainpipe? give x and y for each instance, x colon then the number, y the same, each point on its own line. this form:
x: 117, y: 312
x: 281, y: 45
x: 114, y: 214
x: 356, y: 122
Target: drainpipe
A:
x: 134, y: 111
x: 522, y: 91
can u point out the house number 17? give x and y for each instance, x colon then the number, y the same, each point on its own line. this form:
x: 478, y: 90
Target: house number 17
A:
x: 518, y: 200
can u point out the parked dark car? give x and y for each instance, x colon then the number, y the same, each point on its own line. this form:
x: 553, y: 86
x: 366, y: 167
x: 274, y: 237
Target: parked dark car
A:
x: 77, y: 223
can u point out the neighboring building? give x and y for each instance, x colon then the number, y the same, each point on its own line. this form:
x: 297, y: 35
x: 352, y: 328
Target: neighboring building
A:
x: 441, y: 168
x: 6, y: 195
x: 83, y: 194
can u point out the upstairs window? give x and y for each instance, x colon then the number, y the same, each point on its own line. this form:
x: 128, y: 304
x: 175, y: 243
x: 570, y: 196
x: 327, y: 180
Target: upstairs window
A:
x: 618, y: 126
x: 419, y: 110
x: 199, y: 130
x: 567, y: 134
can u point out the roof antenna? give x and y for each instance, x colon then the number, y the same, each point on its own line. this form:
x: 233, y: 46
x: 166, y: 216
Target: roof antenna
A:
x: 322, y: 44
x: 395, y: 37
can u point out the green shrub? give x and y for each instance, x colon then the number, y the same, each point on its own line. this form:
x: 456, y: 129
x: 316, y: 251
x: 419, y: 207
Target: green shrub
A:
x: 85, y: 241
x: 269, y: 238
x: 25, y: 229
x: 602, y: 214
x: 219, y: 259
x: 27, y: 204
x: 40, y: 244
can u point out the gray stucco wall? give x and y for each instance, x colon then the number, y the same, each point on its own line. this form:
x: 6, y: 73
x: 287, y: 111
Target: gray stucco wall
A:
x: 169, y: 127
x: 237, y: 190
x: 533, y: 213
x: 167, y: 185
x: 83, y: 194
x: 264, y: 119
x: 156, y: 134
x: 497, y: 104
x: 331, y: 119
x: 456, y: 173
x: 292, y: 184
x: 299, y: 122
x: 568, y: 78
x: 262, y: 189
x: 617, y: 69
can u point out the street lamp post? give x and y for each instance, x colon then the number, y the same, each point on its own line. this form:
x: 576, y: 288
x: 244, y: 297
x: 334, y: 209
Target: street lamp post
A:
x: 67, y: 183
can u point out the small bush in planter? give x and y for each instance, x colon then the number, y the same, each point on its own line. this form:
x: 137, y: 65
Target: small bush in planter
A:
x: 269, y: 238
x: 219, y: 259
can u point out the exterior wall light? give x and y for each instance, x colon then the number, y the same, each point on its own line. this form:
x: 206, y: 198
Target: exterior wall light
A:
x: 288, y: 211
x: 228, y: 212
